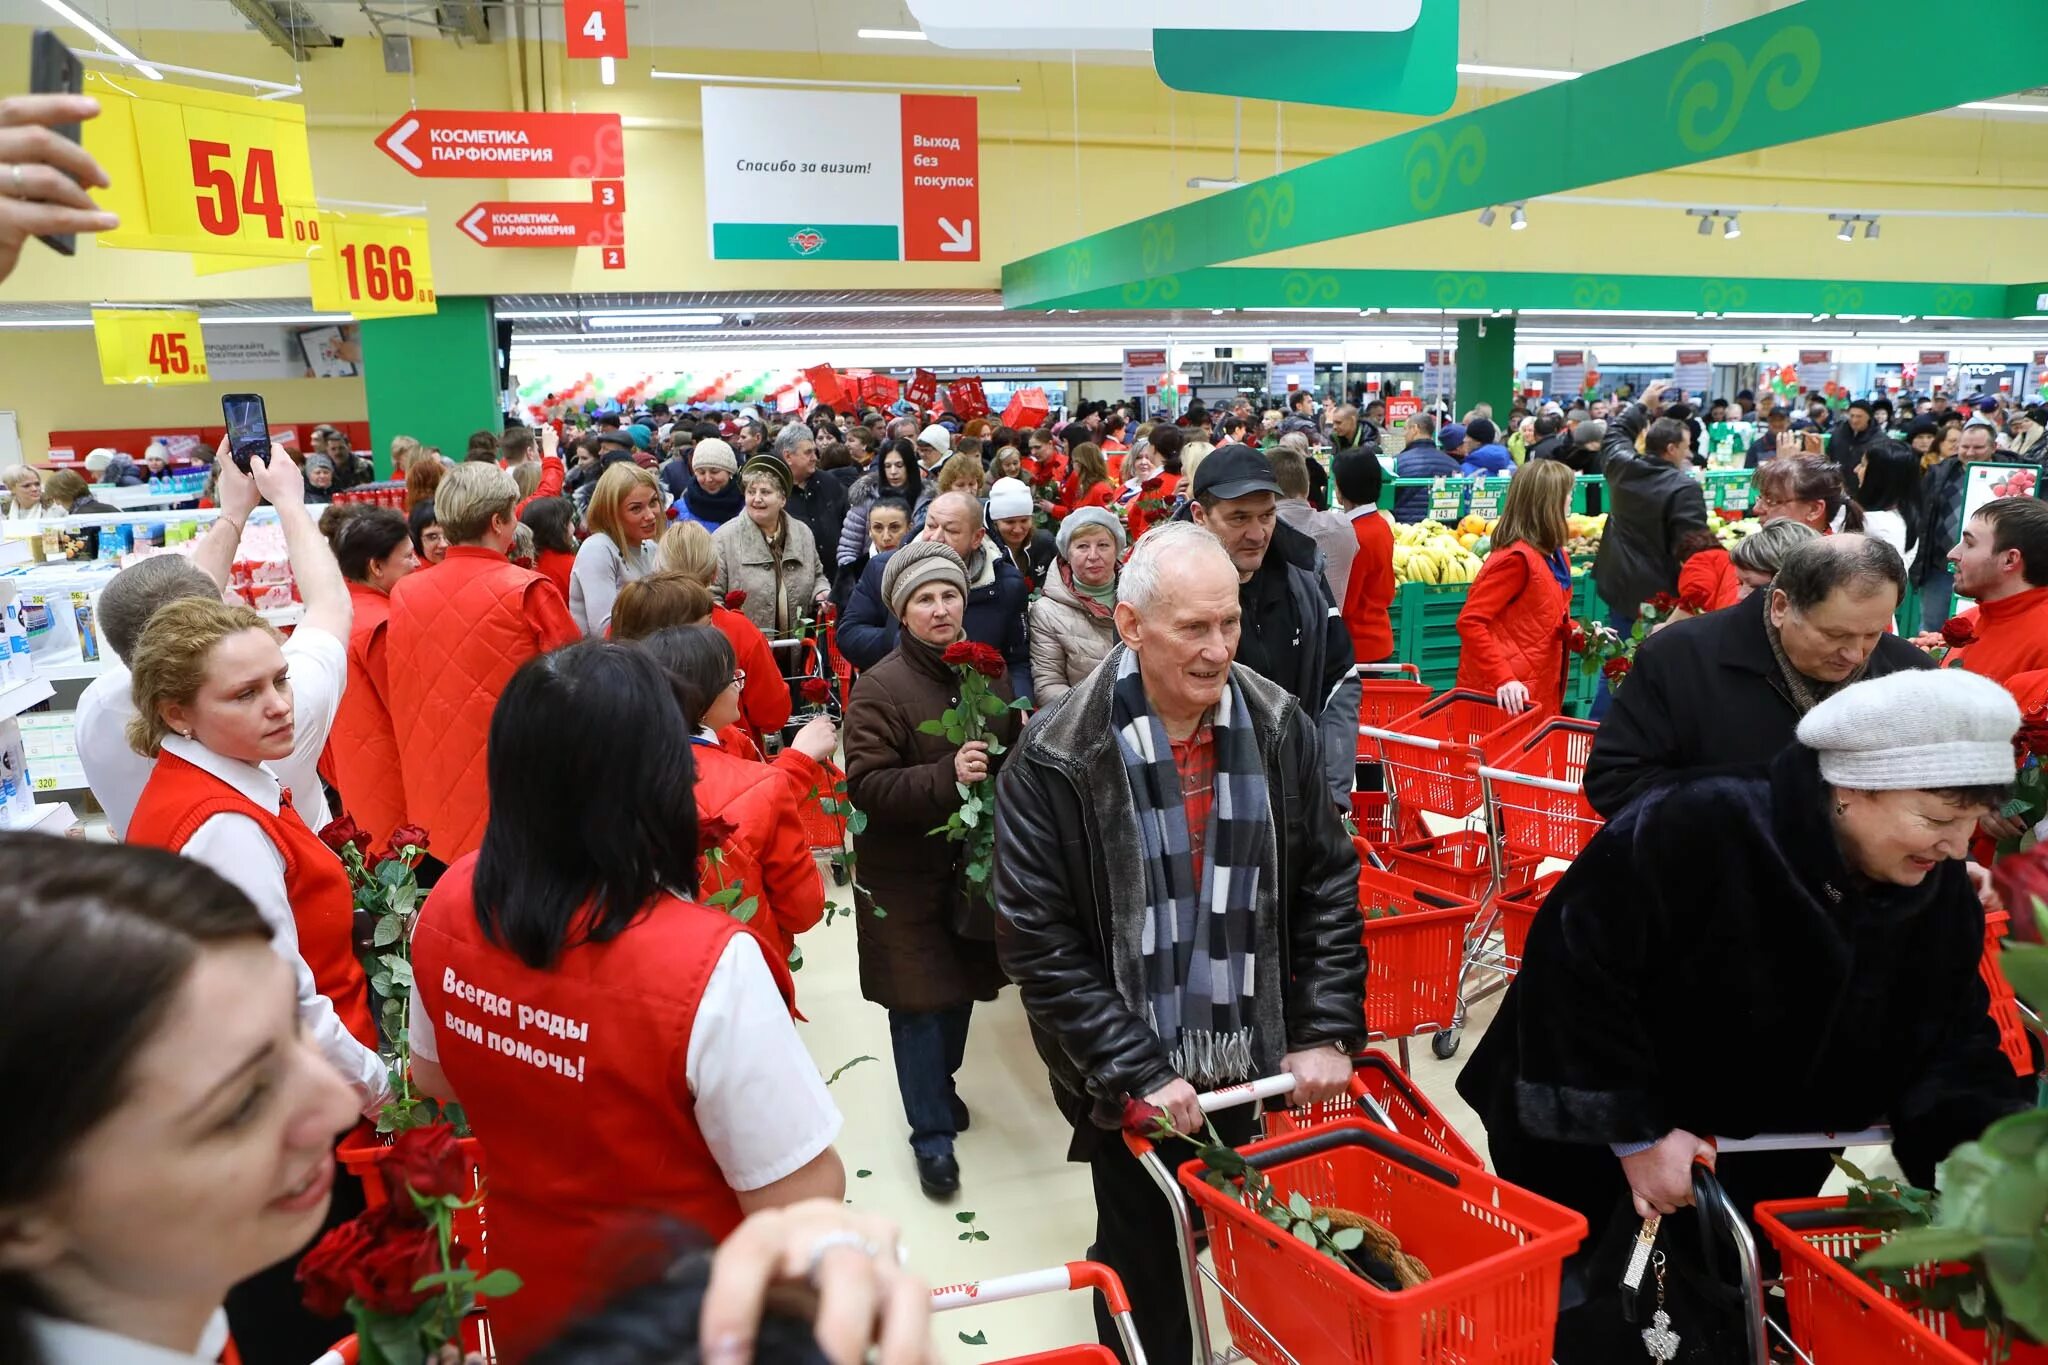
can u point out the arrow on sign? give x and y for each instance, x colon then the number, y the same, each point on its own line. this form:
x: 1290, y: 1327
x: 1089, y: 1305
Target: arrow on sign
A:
x: 498, y: 145
x: 958, y: 239
x: 473, y: 225
x: 543, y: 225
x: 394, y: 143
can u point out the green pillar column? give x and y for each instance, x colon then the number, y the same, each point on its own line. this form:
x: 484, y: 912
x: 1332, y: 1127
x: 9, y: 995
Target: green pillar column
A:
x: 433, y: 377
x: 1486, y: 366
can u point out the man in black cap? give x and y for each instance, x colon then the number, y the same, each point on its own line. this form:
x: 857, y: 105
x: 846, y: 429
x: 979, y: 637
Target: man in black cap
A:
x: 1853, y: 438
x: 1293, y: 632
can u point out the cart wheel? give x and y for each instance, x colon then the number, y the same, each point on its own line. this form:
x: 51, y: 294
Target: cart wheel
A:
x: 1444, y: 1046
x: 839, y: 877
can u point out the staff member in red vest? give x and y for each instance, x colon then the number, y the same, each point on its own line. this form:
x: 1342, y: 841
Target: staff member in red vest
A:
x: 456, y: 636
x: 374, y: 549
x: 1513, y: 625
x: 559, y: 971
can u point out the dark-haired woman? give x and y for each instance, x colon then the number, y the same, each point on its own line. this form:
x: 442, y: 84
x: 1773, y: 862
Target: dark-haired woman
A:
x: 765, y: 855
x: 1808, y: 489
x: 429, y: 541
x: 374, y: 548
x: 893, y: 474
x: 553, y: 523
x: 559, y: 972
x: 1888, y: 487
x: 169, y: 1126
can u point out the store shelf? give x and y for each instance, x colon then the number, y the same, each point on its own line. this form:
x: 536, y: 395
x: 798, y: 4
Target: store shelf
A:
x: 70, y: 670
x: 60, y: 780
x: 54, y: 818
x: 20, y: 696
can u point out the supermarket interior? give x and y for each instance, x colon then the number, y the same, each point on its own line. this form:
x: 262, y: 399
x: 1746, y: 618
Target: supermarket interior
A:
x: 1730, y: 263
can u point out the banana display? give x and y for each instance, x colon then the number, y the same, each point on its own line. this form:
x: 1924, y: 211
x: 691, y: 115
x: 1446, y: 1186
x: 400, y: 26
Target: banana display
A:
x: 1430, y: 552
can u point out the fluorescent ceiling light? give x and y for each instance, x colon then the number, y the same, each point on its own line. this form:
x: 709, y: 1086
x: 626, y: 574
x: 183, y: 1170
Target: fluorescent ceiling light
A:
x: 2006, y: 107
x: 656, y: 319
x: 255, y: 320
x: 900, y: 35
x: 104, y: 38
x: 1527, y: 73
x: 706, y: 79
x: 608, y: 70
x: 35, y: 324
x: 1210, y: 182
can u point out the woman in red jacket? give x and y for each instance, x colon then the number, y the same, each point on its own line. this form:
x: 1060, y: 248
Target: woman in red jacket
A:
x: 553, y: 523
x: 764, y: 701
x: 1513, y: 626
x: 1147, y: 496
x: 1089, y: 485
x: 765, y: 853
x: 374, y: 549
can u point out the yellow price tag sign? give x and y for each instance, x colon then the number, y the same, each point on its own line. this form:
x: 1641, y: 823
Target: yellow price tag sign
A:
x: 149, y: 346
x: 372, y: 267
x: 200, y: 171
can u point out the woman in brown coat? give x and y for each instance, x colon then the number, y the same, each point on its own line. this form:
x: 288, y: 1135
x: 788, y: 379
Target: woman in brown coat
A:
x: 913, y: 961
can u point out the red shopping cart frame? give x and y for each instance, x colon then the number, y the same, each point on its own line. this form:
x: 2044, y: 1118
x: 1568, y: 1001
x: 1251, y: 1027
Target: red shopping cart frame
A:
x: 1538, y: 799
x: 2005, y: 1005
x: 1433, y: 754
x: 1415, y: 947
x: 1387, y: 692
x: 1461, y: 864
x: 1375, y: 1077
x: 1059, y: 1279
x: 1518, y: 912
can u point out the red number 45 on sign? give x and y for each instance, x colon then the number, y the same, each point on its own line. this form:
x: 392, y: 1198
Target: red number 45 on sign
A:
x: 596, y: 28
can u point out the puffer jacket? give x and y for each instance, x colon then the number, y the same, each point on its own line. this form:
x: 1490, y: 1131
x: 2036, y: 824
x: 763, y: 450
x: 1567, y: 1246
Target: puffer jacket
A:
x: 773, y: 863
x: 1034, y: 560
x: 1512, y: 628
x: 853, y: 529
x: 362, y: 742
x: 1069, y: 634
x: 1068, y: 931
x: 746, y: 564
x: 1422, y: 460
x: 1651, y: 506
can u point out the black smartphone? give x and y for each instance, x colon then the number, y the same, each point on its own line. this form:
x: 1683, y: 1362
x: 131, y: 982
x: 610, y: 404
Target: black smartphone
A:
x: 248, y: 428
x: 52, y: 70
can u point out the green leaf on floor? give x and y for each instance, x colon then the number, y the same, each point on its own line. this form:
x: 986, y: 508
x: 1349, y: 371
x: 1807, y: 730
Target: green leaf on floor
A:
x: 848, y: 1066
x: 862, y: 1175
x: 976, y: 1339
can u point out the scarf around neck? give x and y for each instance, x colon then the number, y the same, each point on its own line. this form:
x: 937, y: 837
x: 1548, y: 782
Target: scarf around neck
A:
x: 714, y: 508
x: 1100, y: 601
x: 1198, y: 938
x: 1807, y: 693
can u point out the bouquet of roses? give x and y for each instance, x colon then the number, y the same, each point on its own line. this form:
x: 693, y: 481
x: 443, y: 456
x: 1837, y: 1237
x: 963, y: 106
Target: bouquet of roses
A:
x: 397, y: 1268
x: 2030, y: 785
x: 974, y: 822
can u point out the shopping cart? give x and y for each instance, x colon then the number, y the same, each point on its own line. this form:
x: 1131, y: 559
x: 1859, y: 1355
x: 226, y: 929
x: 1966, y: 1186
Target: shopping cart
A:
x: 1494, y: 1251
x: 1414, y: 946
x: 1384, y: 1093
x: 1059, y: 1279
x: 1387, y: 692
x: 2006, y: 1010
x: 1535, y: 797
x: 1433, y: 754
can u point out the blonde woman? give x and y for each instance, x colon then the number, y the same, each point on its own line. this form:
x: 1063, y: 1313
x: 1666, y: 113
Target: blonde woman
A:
x: 1512, y: 627
x: 960, y: 473
x: 404, y: 450
x: 625, y: 521
x: 24, y: 493
x: 769, y: 555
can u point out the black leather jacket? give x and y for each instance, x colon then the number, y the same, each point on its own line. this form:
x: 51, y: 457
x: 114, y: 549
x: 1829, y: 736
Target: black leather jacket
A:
x: 1069, y: 903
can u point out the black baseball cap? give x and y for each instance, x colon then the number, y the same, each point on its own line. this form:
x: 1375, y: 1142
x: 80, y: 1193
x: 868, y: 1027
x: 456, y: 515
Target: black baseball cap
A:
x: 1235, y: 471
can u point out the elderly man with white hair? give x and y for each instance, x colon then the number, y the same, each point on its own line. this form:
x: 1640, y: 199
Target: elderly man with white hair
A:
x: 1225, y: 944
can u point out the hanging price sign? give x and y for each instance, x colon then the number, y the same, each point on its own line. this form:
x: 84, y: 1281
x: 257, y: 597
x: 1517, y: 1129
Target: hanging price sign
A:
x: 372, y: 267
x: 149, y: 346
x: 595, y: 28
x: 200, y: 171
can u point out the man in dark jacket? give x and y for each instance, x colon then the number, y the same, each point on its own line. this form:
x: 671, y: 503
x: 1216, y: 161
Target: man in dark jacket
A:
x: 996, y: 595
x: 1729, y: 688
x: 817, y: 502
x: 1553, y: 441
x: 1294, y: 631
x: 1853, y: 438
x: 1421, y: 458
x: 1652, y: 503
x: 1169, y: 736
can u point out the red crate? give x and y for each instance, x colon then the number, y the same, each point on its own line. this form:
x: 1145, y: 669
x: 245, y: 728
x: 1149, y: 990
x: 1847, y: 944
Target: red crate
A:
x: 1414, y: 952
x: 1839, y: 1318
x: 1518, y: 911
x: 1434, y: 753
x: 1377, y: 1075
x: 1461, y: 863
x: 1385, y: 697
x: 1494, y: 1250
x: 1542, y: 819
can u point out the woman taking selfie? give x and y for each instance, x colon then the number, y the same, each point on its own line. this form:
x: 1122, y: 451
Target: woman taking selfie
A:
x: 624, y: 524
x: 651, y: 1031
x: 170, y: 1125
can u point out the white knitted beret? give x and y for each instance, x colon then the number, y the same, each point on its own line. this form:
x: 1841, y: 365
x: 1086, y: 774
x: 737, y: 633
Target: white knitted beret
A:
x: 1914, y: 731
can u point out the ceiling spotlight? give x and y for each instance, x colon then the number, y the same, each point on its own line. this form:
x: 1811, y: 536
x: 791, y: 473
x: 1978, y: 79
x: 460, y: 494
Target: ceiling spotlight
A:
x: 1848, y: 232
x: 1520, y: 219
x: 1870, y: 231
x: 1486, y: 216
x: 1732, y: 228
x: 1706, y: 224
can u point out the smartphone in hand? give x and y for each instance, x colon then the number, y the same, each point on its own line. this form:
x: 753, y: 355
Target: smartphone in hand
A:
x: 52, y: 70
x: 248, y: 428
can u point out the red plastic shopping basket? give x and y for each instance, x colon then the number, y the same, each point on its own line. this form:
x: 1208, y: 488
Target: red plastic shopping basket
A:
x: 1518, y: 911
x: 1539, y: 799
x: 1493, y: 1250
x: 1381, y: 821
x: 1414, y: 947
x: 1433, y: 754
x: 825, y: 828
x: 1461, y: 864
x: 1374, y: 1074
x: 1839, y: 1318
x: 1387, y: 692
x: 2005, y: 1006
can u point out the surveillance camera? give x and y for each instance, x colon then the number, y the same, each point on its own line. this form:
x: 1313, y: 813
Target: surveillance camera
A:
x: 746, y: 319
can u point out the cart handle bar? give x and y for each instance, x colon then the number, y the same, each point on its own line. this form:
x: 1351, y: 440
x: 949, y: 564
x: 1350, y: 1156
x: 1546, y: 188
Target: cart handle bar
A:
x: 1411, y: 672
x: 1375, y: 732
x: 1056, y: 1279
x: 1799, y: 1142
x: 1244, y: 1092
x: 1526, y: 780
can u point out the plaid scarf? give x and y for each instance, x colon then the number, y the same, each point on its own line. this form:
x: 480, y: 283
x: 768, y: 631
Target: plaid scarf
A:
x: 1806, y: 693
x: 1197, y: 941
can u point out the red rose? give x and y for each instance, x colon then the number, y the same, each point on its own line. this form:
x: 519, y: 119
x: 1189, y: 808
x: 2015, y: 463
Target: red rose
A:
x: 983, y: 659
x: 429, y: 1161
x: 383, y: 1276
x: 1694, y: 603
x: 1615, y: 669
x: 1663, y: 604
x: 957, y: 653
x: 816, y: 689
x: 735, y: 599
x: 407, y: 834
x: 1141, y: 1117
x: 323, y: 1274
x: 2021, y: 880
x: 2033, y: 736
x: 341, y: 831
x: 1959, y: 631
x: 1574, y: 637
x: 714, y: 831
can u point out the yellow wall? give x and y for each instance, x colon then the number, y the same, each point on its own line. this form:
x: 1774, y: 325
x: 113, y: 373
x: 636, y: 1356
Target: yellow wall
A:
x: 51, y: 381
x: 1138, y: 143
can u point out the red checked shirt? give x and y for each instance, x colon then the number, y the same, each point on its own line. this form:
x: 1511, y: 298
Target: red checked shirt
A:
x: 1194, y: 758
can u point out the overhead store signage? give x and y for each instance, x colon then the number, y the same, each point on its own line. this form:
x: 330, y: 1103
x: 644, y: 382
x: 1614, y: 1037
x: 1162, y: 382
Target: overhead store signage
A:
x: 372, y: 267
x: 1439, y: 373
x: 1129, y: 24
x: 615, y: 258
x: 1412, y: 71
x: 200, y: 171
x: 526, y: 224
x: 1816, y: 370
x: 595, y: 28
x: 822, y: 175
x: 1933, y: 365
x: 1568, y: 371
x: 149, y: 346
x: 1294, y: 367
x: 1144, y: 371
x: 1693, y: 373
x: 1400, y: 407
x: 488, y: 144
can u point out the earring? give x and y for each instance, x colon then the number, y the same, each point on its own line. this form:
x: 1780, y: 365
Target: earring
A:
x: 1841, y: 808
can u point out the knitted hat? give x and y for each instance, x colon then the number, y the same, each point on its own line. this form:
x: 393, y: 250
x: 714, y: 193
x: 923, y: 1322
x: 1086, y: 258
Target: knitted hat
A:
x: 712, y: 453
x: 314, y: 462
x: 1453, y: 436
x: 99, y: 458
x: 937, y: 437
x: 1915, y: 731
x: 1009, y: 498
x: 640, y: 436
x: 927, y: 561
x: 768, y: 464
x: 1482, y: 430
x: 1087, y: 518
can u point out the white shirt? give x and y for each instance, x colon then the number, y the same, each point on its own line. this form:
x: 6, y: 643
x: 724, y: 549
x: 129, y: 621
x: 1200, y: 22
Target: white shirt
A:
x: 237, y: 848
x: 745, y: 1060
x: 317, y: 664
x: 73, y: 1343
x: 1889, y: 527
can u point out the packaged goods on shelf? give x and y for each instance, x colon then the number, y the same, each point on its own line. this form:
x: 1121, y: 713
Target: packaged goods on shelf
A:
x: 50, y: 749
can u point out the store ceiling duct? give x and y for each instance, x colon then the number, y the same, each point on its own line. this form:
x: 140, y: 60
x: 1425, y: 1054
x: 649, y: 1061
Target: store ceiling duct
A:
x: 466, y: 19
x: 287, y: 24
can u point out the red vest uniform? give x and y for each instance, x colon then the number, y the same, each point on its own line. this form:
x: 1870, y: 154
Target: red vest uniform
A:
x: 1513, y: 627
x: 1707, y: 582
x: 574, y: 1078
x: 1370, y: 592
x: 775, y: 866
x: 2012, y: 637
x: 764, y: 700
x: 455, y: 638
x: 362, y: 743
x: 180, y: 797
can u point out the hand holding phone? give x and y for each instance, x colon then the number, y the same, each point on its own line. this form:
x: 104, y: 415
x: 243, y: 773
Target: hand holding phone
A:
x: 248, y: 428
x: 44, y: 173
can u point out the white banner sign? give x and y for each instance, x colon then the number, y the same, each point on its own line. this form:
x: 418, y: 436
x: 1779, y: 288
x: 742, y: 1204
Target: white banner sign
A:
x: 1568, y: 373
x: 1439, y: 374
x: 1127, y: 26
x: 1816, y: 370
x: 1933, y: 365
x: 1693, y: 373
x: 1294, y: 367
x: 235, y: 354
x: 1144, y: 371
